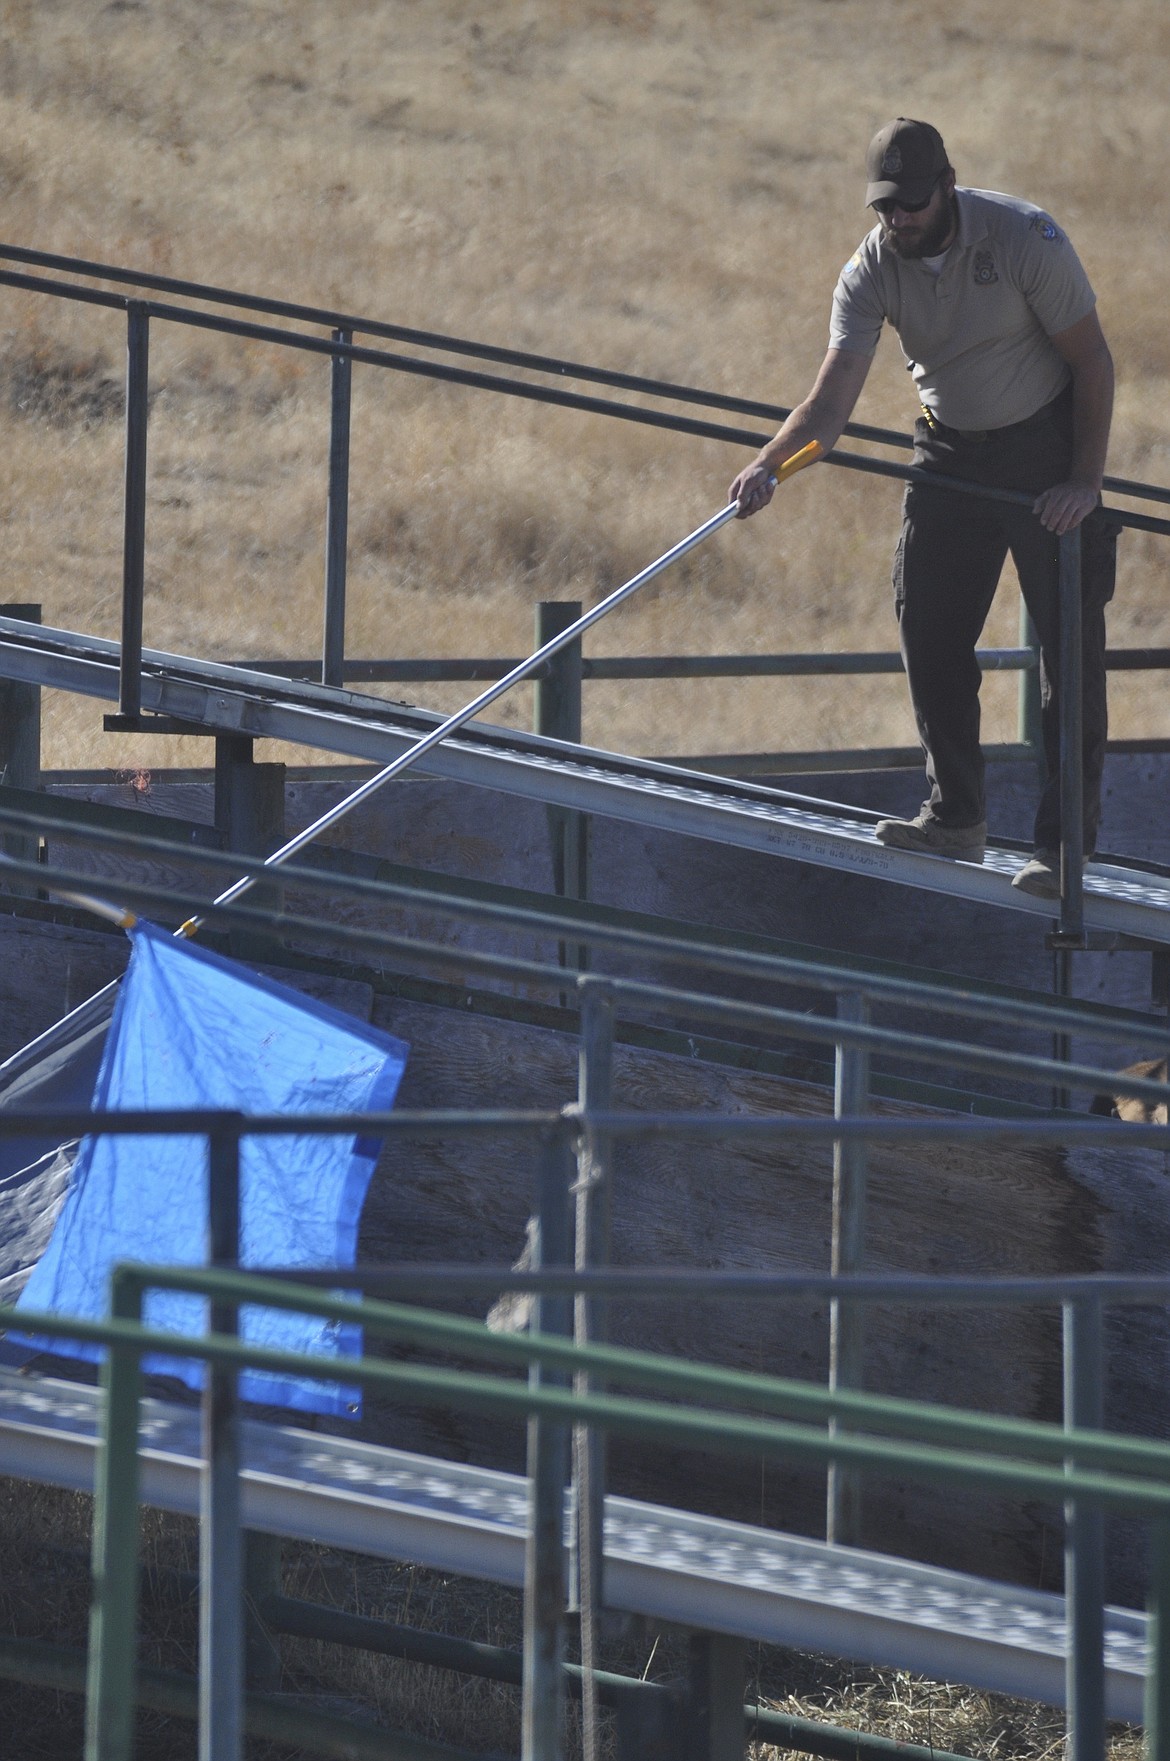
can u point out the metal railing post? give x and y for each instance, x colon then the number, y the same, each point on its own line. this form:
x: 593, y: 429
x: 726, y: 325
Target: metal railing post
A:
x: 548, y: 1466
x: 556, y: 707
x: 847, y: 1320
x: 1072, y: 828
x: 1157, y: 1707
x: 556, y: 714
x: 1062, y: 987
x: 134, y: 506
x: 20, y: 751
x: 221, y: 1625
x: 1084, y: 1546
x: 592, y: 1249
x: 716, y: 1670
x: 112, y: 1676
x: 263, y: 1584
x: 1028, y: 724
x: 337, y: 515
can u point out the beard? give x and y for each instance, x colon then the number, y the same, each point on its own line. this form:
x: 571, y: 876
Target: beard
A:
x: 926, y: 241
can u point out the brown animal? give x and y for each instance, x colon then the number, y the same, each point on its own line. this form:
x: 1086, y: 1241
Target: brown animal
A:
x: 1130, y: 1107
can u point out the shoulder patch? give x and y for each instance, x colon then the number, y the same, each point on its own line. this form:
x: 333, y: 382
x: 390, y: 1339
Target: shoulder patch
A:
x: 1047, y: 229
x: 853, y: 263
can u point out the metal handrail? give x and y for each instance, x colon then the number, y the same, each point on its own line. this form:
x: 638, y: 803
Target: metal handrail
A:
x: 344, y: 352
x: 767, y: 1415
x: 448, y: 669
x: 788, y: 1023
x: 340, y: 321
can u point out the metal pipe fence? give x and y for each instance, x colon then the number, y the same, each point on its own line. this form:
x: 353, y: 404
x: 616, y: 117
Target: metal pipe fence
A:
x: 1075, y: 1464
x: 839, y: 1428
x: 707, y: 1408
x: 343, y: 353
x: 968, y: 999
x: 682, y: 1005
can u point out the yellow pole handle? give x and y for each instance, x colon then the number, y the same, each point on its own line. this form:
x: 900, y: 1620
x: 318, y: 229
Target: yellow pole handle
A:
x: 808, y: 455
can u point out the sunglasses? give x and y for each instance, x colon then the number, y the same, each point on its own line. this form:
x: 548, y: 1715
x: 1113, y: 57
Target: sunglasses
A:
x: 885, y: 207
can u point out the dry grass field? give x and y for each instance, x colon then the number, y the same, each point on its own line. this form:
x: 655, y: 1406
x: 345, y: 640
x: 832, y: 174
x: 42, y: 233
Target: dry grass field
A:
x: 661, y: 186
x: 665, y: 187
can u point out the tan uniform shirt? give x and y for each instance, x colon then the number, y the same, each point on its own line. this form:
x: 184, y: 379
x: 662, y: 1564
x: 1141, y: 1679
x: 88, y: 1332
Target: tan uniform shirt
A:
x: 975, y: 336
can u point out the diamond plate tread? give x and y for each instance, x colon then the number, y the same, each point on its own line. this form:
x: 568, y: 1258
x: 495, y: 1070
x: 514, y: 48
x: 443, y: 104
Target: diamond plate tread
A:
x: 694, y: 1570
x: 226, y: 698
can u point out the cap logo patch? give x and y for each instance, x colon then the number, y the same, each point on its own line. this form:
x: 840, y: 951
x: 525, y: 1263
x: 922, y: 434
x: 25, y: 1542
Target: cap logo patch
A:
x: 984, y: 272
x: 1045, y: 228
x: 892, y: 161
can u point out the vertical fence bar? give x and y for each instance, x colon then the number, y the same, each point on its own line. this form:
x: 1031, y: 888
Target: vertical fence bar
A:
x: 714, y: 1712
x: 556, y: 708
x: 1084, y: 1545
x: 592, y: 1248
x: 556, y: 713
x: 1062, y: 977
x: 1072, y: 830
x: 134, y: 506
x: 263, y: 1581
x: 847, y: 1320
x: 20, y: 751
x: 221, y: 1625
x: 1157, y: 1709
x: 548, y: 1467
x: 337, y: 515
x: 112, y: 1673
x: 1028, y: 725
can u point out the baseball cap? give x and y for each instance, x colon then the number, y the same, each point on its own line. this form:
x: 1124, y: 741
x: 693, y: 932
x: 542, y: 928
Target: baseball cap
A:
x: 905, y: 159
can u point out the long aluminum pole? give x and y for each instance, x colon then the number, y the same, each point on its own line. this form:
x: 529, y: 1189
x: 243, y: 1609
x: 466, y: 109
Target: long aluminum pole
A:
x: 806, y: 456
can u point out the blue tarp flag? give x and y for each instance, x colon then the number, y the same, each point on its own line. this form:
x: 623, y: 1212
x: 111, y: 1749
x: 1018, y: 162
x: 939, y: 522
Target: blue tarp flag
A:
x: 191, y: 1029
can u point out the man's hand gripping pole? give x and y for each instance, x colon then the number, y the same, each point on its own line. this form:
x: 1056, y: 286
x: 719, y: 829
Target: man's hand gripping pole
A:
x: 745, y: 505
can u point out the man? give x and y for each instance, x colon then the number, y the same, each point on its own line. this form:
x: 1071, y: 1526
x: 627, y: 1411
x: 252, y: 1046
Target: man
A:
x: 998, y: 326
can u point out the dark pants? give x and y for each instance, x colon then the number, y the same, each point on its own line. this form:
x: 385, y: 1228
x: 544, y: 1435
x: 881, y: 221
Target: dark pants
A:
x: 946, y: 570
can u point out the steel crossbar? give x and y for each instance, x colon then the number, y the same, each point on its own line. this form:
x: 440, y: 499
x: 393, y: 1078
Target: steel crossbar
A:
x: 222, y: 699
x: 666, y: 1564
x: 1092, y: 1469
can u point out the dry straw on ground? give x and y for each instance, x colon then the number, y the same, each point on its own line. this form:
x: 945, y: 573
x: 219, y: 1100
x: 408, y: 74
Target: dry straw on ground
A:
x: 45, y: 1589
x: 662, y: 186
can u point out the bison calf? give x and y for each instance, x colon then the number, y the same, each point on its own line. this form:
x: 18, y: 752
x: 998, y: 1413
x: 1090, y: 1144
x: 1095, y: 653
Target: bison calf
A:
x: 1130, y: 1107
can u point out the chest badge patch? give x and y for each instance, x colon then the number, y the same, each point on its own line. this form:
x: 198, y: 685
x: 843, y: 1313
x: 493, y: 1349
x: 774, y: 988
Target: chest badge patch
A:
x: 984, y: 272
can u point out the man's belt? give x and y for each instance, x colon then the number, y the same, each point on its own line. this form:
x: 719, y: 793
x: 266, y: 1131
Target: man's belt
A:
x: 978, y: 436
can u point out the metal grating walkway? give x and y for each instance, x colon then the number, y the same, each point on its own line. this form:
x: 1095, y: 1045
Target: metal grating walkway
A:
x: 218, y: 698
x: 692, y: 1570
